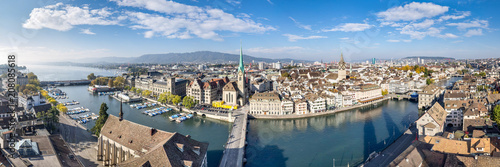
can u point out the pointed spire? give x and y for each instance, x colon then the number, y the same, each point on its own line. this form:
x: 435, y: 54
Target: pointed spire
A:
x: 241, y: 67
x: 121, y: 111
x: 341, y: 57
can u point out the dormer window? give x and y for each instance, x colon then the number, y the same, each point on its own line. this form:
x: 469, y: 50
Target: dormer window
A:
x: 196, y: 149
x: 180, y: 146
x: 479, y: 149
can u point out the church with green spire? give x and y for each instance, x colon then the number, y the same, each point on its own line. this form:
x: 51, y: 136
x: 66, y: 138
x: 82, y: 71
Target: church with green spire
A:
x: 237, y: 93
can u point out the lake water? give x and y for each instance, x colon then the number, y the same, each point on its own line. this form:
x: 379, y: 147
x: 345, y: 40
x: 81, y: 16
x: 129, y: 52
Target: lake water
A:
x: 211, y: 131
x: 343, y: 138
x: 56, y: 73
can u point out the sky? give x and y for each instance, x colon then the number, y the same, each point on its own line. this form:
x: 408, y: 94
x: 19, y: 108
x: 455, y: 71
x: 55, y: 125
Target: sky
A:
x: 46, y: 30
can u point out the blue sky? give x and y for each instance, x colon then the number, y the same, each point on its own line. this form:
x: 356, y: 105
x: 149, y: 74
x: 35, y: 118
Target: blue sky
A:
x: 311, y: 30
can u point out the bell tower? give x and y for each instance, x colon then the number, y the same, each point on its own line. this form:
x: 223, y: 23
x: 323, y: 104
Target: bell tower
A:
x: 242, y: 87
x: 342, y: 72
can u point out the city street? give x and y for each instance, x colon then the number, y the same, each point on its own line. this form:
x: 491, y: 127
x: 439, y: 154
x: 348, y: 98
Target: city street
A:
x: 81, y: 141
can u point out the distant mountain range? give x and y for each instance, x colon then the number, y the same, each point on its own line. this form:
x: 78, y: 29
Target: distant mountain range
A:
x: 425, y: 57
x: 191, y: 57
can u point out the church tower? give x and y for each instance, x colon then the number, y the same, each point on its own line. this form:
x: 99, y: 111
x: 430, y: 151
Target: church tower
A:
x: 242, y: 87
x: 342, y: 72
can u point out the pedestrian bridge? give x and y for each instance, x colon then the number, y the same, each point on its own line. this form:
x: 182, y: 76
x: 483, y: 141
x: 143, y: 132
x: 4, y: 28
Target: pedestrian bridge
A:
x: 234, y: 153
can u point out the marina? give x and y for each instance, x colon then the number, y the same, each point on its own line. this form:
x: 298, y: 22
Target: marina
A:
x: 157, y: 111
x: 70, y: 103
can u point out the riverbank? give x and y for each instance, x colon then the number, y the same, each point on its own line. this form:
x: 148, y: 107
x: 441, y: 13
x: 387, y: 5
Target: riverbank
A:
x: 294, y: 116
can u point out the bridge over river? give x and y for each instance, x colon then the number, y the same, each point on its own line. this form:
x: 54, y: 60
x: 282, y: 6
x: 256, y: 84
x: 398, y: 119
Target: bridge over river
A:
x: 65, y: 82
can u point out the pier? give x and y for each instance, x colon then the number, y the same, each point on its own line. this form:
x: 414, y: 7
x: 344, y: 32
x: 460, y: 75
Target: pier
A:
x: 65, y: 83
x: 234, y: 153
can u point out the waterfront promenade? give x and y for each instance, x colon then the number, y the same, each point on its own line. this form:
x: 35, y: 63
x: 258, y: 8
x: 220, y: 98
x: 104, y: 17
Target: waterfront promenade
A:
x: 81, y: 141
x: 294, y: 116
x: 234, y: 153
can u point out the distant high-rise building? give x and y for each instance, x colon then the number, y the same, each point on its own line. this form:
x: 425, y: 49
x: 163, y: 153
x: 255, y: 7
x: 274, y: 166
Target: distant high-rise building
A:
x: 261, y: 65
x: 277, y: 65
x: 292, y: 63
x: 373, y: 61
x: 418, y: 60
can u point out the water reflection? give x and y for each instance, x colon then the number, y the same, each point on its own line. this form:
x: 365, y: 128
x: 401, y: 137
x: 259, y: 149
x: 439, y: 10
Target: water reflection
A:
x: 345, y: 137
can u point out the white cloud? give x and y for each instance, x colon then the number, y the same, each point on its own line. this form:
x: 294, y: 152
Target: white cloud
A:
x: 412, y: 11
x: 416, y: 34
x: 344, y: 38
x: 397, y: 40
x: 307, y: 27
x: 181, y: 21
x: 393, y: 40
x: 87, y: 31
x: 471, y: 24
x: 474, y: 32
x: 234, y: 2
x: 293, y: 38
x: 63, y: 17
x: 270, y: 2
x: 350, y: 27
x: 423, y: 29
x: 460, y: 15
x: 459, y: 41
x: 274, y: 50
x: 448, y: 35
x: 422, y: 25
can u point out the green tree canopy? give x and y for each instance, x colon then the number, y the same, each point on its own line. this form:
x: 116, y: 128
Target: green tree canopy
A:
x: 91, y: 76
x: 176, y: 99
x: 103, y: 116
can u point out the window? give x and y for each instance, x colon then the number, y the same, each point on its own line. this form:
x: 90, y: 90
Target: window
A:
x: 479, y: 149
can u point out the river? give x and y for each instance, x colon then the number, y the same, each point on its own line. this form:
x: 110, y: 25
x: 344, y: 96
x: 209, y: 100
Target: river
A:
x: 342, y: 138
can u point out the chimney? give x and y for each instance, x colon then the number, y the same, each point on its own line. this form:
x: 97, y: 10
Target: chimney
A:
x: 153, y: 130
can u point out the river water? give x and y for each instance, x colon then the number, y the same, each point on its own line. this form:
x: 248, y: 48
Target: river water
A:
x: 342, y: 138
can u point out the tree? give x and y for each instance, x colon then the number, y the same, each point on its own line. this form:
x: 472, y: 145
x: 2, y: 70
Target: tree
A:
x: 62, y: 108
x: 385, y: 92
x: 50, y: 118
x: 127, y: 87
x: 429, y: 81
x: 496, y: 114
x: 189, y: 102
x: 133, y: 89
x: 91, y: 76
x: 110, y: 83
x: 52, y: 100
x: 163, y: 98
x: 17, y: 87
x: 103, y: 116
x: 170, y: 97
x: 482, y: 74
x: 146, y: 93
x: 119, y: 82
x: 138, y: 91
x: 177, y: 99
x: 285, y: 74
